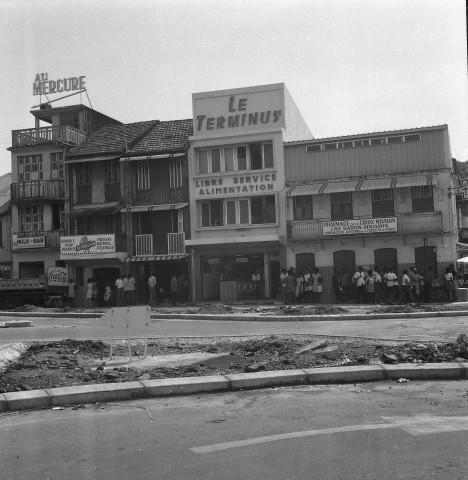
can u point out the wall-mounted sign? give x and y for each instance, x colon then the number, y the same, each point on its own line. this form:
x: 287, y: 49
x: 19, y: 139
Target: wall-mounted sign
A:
x: 239, y: 184
x: 57, y: 277
x: 365, y: 225
x: 243, y: 110
x: 43, y: 86
x: 19, y: 243
x: 87, y: 245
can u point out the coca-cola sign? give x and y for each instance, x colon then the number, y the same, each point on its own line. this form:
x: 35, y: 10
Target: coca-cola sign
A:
x: 57, y: 276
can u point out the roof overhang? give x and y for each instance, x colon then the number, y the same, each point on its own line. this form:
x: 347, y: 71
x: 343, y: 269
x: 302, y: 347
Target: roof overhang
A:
x: 90, y: 211
x: 152, y: 157
x: 153, y: 208
x: 157, y: 258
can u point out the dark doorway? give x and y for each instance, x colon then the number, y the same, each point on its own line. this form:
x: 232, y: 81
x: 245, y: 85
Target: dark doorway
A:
x: 275, y: 273
x: 425, y: 257
x: 386, y: 257
x: 31, y: 269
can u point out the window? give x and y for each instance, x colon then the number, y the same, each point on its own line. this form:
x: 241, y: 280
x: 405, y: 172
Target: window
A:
x: 216, y: 160
x: 112, y: 171
x: 248, y: 211
x: 382, y: 202
x: 228, y: 160
x: 303, y: 207
x: 84, y: 226
x: 203, y: 161
x: 83, y: 174
x: 143, y: 177
x: 423, y: 200
x: 58, y: 216
x: 413, y: 138
x: 341, y: 205
x: 347, y: 144
x: 313, y: 148
x: 31, y: 218
x: 113, y: 223
x: 241, y: 158
x: 395, y: 139
x: 376, y: 141
x: 175, y: 173
x: 330, y: 146
x: 56, y: 162
x: 255, y: 150
x: 212, y: 213
x: 30, y: 167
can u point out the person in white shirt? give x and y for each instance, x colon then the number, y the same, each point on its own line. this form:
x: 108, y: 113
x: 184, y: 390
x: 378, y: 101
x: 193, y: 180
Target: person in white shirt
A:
x: 390, y: 276
x: 406, y: 292
x: 377, y: 285
x: 119, y: 285
x: 152, y: 291
x: 359, y: 279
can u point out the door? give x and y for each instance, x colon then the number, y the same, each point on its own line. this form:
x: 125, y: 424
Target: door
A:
x: 425, y: 257
x: 305, y: 261
x: 386, y: 258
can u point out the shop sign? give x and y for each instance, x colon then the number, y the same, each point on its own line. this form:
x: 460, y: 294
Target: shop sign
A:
x: 28, y: 242
x: 239, y: 184
x: 57, y: 277
x: 245, y: 111
x: 365, y: 225
x: 43, y: 86
x: 87, y: 245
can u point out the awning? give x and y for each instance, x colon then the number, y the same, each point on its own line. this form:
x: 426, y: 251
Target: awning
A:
x: 312, y: 189
x: 87, y: 212
x: 336, y: 187
x: 462, y: 246
x: 153, y: 157
x: 414, y: 181
x: 463, y: 260
x: 90, y: 159
x: 156, y: 258
x: 154, y: 208
x: 377, y: 183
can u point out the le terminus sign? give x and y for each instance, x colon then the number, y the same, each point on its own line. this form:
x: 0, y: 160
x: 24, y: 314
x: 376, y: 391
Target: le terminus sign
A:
x: 42, y: 85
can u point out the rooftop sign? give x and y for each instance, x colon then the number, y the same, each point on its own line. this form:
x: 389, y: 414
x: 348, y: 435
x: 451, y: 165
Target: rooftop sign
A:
x: 43, y: 86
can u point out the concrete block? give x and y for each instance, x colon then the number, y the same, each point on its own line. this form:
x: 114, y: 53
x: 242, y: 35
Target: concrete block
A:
x: 267, y: 379
x: 3, y: 403
x: 360, y: 373
x: 28, y: 400
x: 101, y: 392
x: 462, y: 294
x: 417, y: 371
x: 185, y: 385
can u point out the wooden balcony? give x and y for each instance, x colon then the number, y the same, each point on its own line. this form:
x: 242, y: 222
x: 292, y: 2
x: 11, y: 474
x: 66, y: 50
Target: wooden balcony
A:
x: 37, y: 190
x: 407, y: 224
x: 38, y: 136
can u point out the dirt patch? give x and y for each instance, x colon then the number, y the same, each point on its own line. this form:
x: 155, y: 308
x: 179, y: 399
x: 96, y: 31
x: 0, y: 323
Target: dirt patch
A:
x: 71, y: 362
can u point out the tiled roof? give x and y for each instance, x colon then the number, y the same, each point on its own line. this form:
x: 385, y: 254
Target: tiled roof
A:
x: 167, y: 136
x: 112, y: 139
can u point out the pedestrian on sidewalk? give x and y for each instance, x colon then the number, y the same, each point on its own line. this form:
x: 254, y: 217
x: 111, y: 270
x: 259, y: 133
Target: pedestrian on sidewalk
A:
x: 377, y: 285
x: 428, y: 282
x: 174, y: 290
x: 89, y: 293
x: 307, y: 286
x: 359, y: 279
x: 283, y: 277
x: 317, y: 285
x: 152, y: 285
x: 406, y: 292
x: 130, y: 290
x: 71, y: 293
x: 119, y: 288
x: 370, y: 287
x: 449, y: 285
x: 290, y: 286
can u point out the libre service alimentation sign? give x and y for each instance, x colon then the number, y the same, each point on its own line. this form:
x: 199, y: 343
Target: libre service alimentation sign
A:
x: 365, y: 225
x: 87, y: 245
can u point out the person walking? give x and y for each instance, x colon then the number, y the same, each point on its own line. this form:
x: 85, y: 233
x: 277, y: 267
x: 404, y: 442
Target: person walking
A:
x: 414, y: 283
x: 283, y: 277
x: 290, y: 287
x: 130, y: 290
x: 152, y: 285
x: 428, y: 281
x: 174, y: 289
x: 181, y: 287
x: 359, y: 279
x: 119, y: 288
x: 317, y: 287
x: 449, y: 285
x: 71, y: 293
x: 406, y: 292
x: 89, y: 293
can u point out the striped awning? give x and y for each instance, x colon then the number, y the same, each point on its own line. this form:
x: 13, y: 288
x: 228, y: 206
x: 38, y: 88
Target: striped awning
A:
x: 377, y: 183
x: 414, y: 180
x: 311, y: 189
x: 156, y: 258
x: 336, y: 187
x: 153, y: 208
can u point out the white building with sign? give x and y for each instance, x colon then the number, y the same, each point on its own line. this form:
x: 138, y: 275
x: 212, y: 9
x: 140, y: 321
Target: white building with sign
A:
x: 237, y: 179
x: 384, y: 199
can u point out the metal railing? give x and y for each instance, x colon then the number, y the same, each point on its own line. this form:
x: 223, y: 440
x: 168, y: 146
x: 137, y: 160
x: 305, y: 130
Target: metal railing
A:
x: 38, y: 189
x: 144, y: 244
x: 407, y: 223
x: 35, y: 136
x: 175, y: 243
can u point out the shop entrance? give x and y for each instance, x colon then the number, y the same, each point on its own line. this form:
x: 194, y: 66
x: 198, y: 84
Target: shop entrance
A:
x: 105, y: 277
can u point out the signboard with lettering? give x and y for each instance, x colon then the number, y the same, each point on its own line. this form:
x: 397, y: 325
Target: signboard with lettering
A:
x: 43, y: 86
x: 19, y: 242
x: 238, y: 111
x: 365, y: 225
x: 87, y: 245
x: 251, y: 184
x: 57, y: 277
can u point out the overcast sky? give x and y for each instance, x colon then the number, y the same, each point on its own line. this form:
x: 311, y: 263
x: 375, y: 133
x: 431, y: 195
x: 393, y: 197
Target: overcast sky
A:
x: 352, y: 66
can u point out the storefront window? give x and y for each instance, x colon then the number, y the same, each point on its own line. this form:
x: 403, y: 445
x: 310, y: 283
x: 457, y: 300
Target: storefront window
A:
x: 423, y: 200
x: 341, y: 205
x: 382, y: 202
x: 212, y: 213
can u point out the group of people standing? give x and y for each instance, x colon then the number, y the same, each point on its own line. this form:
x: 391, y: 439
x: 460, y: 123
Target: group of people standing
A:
x: 301, y: 287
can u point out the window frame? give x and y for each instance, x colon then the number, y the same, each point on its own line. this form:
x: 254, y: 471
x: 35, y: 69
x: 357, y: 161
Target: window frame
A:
x: 175, y: 173
x: 143, y: 175
x: 57, y: 165
x: 422, y: 197
x: 341, y: 214
x: 36, y: 218
x: 381, y: 206
x: 300, y: 207
x: 112, y: 171
x: 26, y: 171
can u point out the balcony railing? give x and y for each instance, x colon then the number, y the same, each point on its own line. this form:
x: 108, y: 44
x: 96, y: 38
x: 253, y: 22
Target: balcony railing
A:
x: 144, y: 244
x: 52, y: 239
x: 407, y: 223
x: 36, y: 136
x: 37, y: 190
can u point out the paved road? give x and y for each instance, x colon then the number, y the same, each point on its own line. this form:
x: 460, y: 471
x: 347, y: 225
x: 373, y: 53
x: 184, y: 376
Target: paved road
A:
x: 416, y: 430
x: 402, y: 328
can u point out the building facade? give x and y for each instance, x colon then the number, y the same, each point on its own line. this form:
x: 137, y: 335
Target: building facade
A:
x: 237, y: 179
x: 38, y: 193
x: 382, y: 199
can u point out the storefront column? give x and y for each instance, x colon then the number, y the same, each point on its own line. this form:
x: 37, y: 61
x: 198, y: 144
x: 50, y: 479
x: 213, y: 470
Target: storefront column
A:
x: 266, y: 275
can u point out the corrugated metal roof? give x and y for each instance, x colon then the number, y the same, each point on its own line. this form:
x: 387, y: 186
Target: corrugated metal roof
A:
x: 156, y: 258
x: 377, y: 183
x: 153, y: 208
x: 414, y: 181
x: 336, y: 187
x: 312, y: 189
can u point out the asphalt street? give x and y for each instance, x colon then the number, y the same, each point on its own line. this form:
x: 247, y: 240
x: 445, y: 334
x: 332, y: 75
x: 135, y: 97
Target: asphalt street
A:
x: 430, y: 329
x: 386, y: 430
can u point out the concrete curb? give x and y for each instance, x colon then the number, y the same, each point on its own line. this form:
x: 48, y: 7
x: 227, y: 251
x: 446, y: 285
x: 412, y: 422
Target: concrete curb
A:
x: 16, y: 324
x: 110, y: 392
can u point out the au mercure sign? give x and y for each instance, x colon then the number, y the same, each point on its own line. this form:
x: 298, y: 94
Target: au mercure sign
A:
x: 42, y: 85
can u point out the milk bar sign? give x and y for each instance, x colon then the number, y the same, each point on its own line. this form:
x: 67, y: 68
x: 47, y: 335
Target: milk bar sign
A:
x: 28, y: 242
x: 365, y: 225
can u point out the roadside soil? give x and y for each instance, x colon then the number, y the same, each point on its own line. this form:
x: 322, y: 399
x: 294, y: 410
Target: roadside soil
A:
x: 71, y: 362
